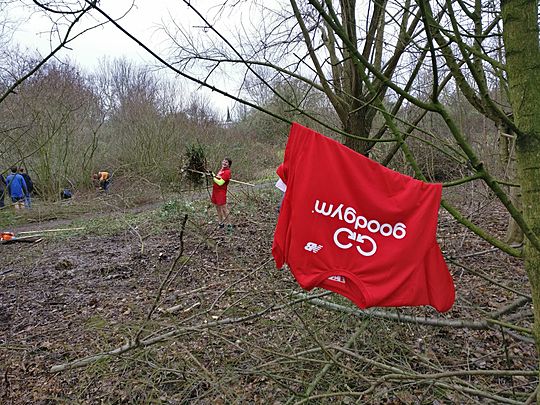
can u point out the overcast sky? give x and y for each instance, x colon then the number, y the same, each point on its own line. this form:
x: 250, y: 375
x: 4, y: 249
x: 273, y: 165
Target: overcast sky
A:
x: 144, y: 20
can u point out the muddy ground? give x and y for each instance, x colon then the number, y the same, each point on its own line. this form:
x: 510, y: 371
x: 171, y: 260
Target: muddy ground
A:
x: 228, y: 327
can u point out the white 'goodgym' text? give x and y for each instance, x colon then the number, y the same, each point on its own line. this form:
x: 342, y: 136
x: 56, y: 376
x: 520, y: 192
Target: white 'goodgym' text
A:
x: 348, y: 214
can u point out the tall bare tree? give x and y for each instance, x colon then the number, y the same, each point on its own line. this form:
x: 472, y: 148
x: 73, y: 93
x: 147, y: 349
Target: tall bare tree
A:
x: 53, y: 123
x: 522, y: 51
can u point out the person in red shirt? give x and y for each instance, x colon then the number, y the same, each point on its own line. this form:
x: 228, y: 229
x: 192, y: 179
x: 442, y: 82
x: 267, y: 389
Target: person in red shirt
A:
x: 219, y: 190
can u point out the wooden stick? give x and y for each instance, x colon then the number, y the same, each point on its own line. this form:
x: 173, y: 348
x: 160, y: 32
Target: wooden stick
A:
x: 52, y: 230
x: 27, y: 239
x: 209, y: 174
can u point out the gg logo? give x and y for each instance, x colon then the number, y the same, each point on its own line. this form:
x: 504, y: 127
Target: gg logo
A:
x: 361, y: 239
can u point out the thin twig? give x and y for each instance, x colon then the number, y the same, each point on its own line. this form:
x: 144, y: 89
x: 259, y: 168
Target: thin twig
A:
x: 166, y: 279
x: 327, y: 366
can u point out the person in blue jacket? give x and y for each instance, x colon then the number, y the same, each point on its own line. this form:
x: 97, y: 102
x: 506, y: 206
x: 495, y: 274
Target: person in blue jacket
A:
x: 16, y: 188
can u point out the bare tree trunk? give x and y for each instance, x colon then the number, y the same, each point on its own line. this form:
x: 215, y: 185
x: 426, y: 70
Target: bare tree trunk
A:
x: 514, y: 234
x: 360, y: 125
x: 507, y: 153
x: 522, y: 48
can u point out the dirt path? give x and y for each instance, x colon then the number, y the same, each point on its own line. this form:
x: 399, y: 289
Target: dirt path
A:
x: 110, y: 204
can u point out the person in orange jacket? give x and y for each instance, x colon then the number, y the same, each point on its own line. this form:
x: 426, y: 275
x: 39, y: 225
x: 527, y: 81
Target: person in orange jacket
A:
x: 104, y: 179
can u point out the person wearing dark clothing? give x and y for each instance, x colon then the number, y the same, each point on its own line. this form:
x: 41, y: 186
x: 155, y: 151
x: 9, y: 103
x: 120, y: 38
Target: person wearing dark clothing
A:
x: 29, y: 186
x: 16, y: 187
x: 28, y: 180
x: 3, y: 186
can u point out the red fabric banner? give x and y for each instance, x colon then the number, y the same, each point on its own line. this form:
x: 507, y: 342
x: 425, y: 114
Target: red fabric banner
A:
x: 352, y: 226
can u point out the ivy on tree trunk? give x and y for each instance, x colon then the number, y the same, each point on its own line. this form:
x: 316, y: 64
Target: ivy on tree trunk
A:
x: 522, y: 51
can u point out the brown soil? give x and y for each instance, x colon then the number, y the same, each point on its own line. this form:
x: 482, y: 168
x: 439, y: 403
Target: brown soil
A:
x: 76, y: 295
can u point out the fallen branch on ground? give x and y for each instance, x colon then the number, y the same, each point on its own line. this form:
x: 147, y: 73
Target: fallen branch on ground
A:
x: 148, y: 342
x: 420, y: 320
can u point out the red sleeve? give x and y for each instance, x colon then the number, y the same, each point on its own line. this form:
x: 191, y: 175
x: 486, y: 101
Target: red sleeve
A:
x: 226, y: 175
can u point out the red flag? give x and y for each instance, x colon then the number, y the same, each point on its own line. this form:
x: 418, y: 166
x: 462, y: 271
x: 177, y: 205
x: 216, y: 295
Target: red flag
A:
x: 355, y: 227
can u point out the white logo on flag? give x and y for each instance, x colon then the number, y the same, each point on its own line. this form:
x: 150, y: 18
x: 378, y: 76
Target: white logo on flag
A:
x: 355, y: 237
x: 312, y: 247
x: 339, y: 279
